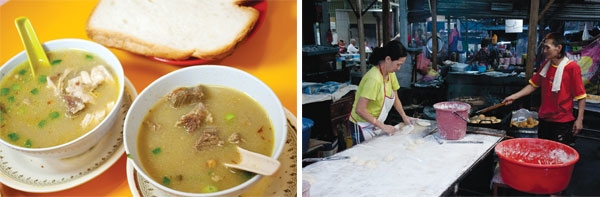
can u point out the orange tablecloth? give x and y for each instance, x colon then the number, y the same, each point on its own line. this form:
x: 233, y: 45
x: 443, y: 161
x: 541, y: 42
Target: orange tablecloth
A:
x: 270, y: 54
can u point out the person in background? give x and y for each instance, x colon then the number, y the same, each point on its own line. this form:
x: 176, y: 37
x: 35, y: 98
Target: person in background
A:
x: 560, y: 81
x: 342, y: 46
x: 367, y: 48
x: 420, y: 38
x: 454, y: 38
x: 417, y: 39
x: 352, y: 46
x: 377, y: 94
x: 483, y: 56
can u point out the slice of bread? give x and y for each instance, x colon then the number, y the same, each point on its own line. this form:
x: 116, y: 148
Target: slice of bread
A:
x: 172, y: 29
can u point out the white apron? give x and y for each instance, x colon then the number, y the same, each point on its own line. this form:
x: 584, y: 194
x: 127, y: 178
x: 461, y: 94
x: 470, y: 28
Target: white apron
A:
x: 370, y: 130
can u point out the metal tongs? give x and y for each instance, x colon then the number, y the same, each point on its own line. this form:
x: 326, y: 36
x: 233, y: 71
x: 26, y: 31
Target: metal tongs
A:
x: 325, y: 158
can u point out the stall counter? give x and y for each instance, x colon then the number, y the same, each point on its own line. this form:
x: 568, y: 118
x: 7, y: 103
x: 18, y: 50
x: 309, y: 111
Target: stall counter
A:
x: 404, y: 164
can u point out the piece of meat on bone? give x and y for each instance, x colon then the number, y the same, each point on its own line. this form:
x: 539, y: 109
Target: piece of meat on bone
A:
x: 79, y: 89
x: 185, y: 95
x: 209, y: 139
x: 235, y: 138
x: 194, y: 119
x: 74, y: 104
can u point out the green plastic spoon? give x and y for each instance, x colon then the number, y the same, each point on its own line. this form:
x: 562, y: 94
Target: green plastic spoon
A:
x: 33, y: 48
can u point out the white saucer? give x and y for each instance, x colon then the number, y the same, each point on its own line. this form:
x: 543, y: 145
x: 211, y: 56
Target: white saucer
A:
x: 282, y: 183
x: 39, y: 175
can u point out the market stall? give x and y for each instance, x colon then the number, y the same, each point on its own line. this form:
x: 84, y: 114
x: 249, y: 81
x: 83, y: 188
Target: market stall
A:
x: 105, y: 170
x: 514, y: 33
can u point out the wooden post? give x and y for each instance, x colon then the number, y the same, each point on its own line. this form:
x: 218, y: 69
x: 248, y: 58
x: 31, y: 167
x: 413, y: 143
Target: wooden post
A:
x: 531, y: 39
x: 361, y: 39
x: 385, y: 19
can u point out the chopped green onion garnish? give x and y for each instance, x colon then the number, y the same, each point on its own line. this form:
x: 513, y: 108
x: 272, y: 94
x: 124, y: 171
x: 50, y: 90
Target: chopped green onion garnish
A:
x: 54, y: 115
x: 88, y: 56
x: 22, y: 72
x: 4, y: 91
x: 13, y: 137
x: 156, y: 151
x: 27, y: 143
x: 229, y: 117
x: 54, y: 62
x: 166, y: 180
x: 42, y: 78
x: 34, y: 91
x: 42, y: 123
x: 16, y: 87
x: 11, y: 99
x: 210, y: 188
x: 20, y: 110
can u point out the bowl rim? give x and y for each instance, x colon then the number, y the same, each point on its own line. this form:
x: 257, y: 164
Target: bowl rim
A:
x: 228, y: 191
x: 51, y: 44
x: 564, y: 164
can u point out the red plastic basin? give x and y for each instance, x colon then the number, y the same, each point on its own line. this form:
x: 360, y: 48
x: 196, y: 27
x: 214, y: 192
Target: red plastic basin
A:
x: 535, y: 165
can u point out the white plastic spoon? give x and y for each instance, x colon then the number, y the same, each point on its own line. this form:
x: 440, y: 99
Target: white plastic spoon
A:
x: 254, y: 162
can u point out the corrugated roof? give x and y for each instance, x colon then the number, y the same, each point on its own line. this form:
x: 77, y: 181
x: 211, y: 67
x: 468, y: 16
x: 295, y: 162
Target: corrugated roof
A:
x: 560, y: 10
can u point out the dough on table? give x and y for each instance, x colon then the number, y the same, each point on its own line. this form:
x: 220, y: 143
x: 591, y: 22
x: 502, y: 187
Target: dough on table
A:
x: 423, y: 123
x: 411, y: 146
x: 407, y: 129
x: 360, y: 162
x: 419, y: 141
x: 371, y: 164
x: 389, y: 158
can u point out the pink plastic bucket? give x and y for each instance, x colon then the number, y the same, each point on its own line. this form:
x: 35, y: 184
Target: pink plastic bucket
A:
x: 451, y: 119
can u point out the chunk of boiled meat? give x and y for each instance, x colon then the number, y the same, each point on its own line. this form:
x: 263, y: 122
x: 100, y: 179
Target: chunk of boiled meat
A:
x: 100, y: 74
x: 79, y: 89
x: 209, y: 139
x: 194, y: 119
x: 185, y: 95
x: 74, y: 104
x: 235, y: 138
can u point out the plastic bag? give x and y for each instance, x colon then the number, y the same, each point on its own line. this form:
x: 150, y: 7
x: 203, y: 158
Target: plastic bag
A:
x: 524, y: 118
x: 586, y: 35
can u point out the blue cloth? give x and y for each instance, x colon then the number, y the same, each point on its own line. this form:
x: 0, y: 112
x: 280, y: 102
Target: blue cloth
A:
x: 323, y: 88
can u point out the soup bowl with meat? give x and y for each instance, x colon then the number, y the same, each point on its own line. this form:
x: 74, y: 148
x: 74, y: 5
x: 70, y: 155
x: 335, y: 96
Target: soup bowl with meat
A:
x: 64, y: 109
x: 183, y: 128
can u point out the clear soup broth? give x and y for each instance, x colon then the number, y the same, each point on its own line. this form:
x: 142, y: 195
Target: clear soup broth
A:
x: 60, y: 103
x: 190, y: 159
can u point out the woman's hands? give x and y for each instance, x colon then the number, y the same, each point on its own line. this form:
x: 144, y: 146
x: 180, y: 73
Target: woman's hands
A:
x: 389, y: 129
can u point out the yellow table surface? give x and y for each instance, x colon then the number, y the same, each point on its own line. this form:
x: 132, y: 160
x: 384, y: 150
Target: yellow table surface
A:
x: 270, y: 54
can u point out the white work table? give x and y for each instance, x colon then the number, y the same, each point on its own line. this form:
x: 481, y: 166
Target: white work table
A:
x: 404, y: 164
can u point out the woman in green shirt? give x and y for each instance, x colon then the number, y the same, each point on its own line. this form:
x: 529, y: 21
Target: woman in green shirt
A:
x: 377, y: 94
